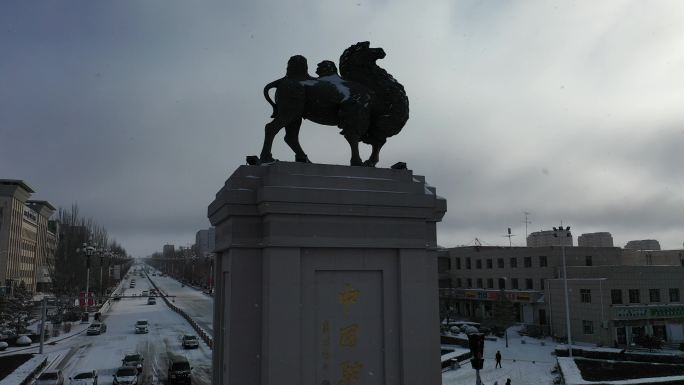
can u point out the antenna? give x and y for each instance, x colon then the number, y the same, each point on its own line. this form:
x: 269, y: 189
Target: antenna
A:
x: 526, y: 222
x: 510, y: 244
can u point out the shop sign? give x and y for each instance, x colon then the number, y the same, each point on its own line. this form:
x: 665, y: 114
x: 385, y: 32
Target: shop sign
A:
x: 646, y: 312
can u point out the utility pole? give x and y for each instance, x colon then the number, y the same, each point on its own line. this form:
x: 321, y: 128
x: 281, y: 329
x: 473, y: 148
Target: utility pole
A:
x: 526, y: 222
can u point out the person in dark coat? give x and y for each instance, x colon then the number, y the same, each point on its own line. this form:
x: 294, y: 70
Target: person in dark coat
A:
x: 498, y: 359
x: 508, y: 381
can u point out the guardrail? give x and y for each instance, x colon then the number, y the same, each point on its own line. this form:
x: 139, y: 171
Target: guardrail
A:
x: 201, y: 332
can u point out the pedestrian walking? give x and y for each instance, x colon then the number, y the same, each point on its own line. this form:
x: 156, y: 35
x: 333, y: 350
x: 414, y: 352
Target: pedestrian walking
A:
x: 498, y: 360
x: 508, y: 381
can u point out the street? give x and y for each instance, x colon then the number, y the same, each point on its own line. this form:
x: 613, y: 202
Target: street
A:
x: 104, y: 352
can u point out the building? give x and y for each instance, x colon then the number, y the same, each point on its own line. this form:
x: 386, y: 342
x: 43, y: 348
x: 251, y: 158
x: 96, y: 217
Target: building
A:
x: 609, y: 306
x: 26, y: 242
x: 643, y: 244
x: 555, y: 237
x: 168, y: 251
x: 205, y: 241
x: 615, y: 295
x: 602, y: 239
x: 472, y: 277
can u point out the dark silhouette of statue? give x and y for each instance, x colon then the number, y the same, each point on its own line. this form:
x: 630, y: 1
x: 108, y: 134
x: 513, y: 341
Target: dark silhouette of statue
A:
x: 365, y: 102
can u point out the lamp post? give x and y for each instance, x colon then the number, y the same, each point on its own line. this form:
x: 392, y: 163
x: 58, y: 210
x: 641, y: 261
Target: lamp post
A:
x: 556, y: 234
x: 88, y: 250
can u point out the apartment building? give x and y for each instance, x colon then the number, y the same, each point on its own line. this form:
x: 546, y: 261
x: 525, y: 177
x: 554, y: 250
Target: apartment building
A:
x: 26, y: 240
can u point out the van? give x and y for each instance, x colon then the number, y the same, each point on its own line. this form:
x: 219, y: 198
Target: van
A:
x: 179, y: 370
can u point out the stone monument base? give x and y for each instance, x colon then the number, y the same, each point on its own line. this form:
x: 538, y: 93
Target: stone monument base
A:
x: 326, y: 275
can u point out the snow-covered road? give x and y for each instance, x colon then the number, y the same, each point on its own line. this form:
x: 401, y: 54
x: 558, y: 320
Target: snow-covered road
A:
x: 105, y: 352
x: 196, y: 304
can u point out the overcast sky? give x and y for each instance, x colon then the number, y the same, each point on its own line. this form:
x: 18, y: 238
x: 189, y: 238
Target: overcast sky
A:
x: 139, y: 110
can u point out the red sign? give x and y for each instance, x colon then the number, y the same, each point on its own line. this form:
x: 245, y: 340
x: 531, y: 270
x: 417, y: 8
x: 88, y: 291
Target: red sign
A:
x: 81, y: 298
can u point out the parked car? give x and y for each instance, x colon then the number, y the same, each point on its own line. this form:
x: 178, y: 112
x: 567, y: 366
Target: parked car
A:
x: 134, y: 360
x: 23, y: 341
x: 126, y: 376
x: 179, y: 370
x: 190, y: 342
x: 141, y: 326
x: 145, y: 293
x: 84, y: 378
x: 96, y: 328
x: 117, y: 297
x: 51, y: 377
x: 151, y: 301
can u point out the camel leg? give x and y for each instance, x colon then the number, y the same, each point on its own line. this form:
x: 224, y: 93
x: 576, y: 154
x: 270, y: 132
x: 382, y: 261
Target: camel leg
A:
x: 271, y: 131
x: 354, y: 144
x: 292, y: 140
x: 375, y: 155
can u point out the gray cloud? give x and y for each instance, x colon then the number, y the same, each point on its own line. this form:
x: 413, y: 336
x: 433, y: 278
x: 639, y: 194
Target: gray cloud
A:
x: 139, y: 111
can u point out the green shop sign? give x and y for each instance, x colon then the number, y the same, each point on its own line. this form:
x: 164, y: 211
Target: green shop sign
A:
x: 646, y: 312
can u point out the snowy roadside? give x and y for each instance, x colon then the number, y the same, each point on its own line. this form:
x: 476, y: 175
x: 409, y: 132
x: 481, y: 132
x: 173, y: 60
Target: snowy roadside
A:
x: 24, y: 374
x: 573, y: 376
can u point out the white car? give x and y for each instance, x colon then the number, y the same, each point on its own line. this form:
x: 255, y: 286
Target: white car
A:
x: 141, y: 326
x: 84, y: 378
x: 126, y: 375
x: 50, y: 377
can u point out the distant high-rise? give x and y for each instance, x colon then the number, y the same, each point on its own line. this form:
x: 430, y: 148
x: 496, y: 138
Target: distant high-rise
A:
x: 204, y: 241
x: 550, y: 238
x: 168, y: 251
x: 601, y: 239
x: 643, y: 244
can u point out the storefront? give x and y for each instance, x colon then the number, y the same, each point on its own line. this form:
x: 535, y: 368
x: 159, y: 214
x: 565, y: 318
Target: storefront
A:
x: 663, y: 321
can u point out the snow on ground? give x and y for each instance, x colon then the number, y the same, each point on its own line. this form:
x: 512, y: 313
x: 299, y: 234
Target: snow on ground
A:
x: 196, y: 304
x: 104, y: 352
x: 525, y: 364
x: 26, y: 369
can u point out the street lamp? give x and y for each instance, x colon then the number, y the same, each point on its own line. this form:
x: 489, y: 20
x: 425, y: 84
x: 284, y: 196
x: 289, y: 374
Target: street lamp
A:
x: 88, y: 250
x: 556, y: 234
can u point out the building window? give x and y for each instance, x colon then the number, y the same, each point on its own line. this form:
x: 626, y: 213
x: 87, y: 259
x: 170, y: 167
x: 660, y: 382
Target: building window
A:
x: 588, y: 327
x: 529, y: 285
x: 489, y: 264
x: 654, y: 295
x: 470, y: 283
x: 585, y: 295
x: 443, y: 264
x: 479, y: 283
x: 542, y: 283
x: 616, y: 296
x: 490, y: 283
x: 674, y: 294
x: 542, y: 261
x: 467, y: 263
x: 514, y: 283
x: 502, y: 283
x: 458, y: 263
x: 634, y: 296
x: 459, y: 282
x: 528, y: 262
x: 500, y: 263
x: 588, y: 261
x: 514, y: 262
x: 542, y: 316
x: 478, y: 264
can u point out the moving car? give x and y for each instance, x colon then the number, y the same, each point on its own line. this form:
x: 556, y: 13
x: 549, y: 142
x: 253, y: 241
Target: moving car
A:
x: 51, y: 377
x: 151, y: 301
x: 126, y: 376
x: 178, y: 370
x: 133, y: 360
x: 190, y: 342
x: 96, y: 328
x: 145, y: 293
x: 141, y: 326
x: 84, y: 378
x: 132, y: 285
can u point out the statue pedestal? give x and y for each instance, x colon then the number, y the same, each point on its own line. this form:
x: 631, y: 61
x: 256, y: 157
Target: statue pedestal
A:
x: 326, y: 275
